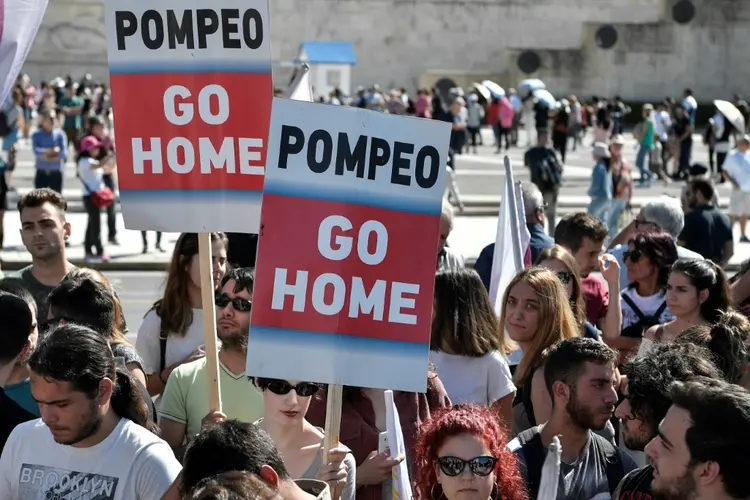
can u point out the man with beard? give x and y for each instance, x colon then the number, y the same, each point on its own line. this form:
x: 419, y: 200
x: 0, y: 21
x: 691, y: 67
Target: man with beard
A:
x: 707, y: 230
x: 94, y: 439
x: 646, y: 390
x: 700, y: 452
x: 184, y: 408
x: 44, y: 232
x: 580, y: 377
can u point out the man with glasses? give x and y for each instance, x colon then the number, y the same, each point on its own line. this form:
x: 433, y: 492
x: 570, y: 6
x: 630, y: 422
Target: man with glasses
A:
x: 184, y: 408
x: 664, y: 214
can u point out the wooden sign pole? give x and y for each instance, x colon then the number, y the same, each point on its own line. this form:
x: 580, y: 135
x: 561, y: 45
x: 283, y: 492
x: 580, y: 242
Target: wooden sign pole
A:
x: 209, y: 321
x: 333, y: 425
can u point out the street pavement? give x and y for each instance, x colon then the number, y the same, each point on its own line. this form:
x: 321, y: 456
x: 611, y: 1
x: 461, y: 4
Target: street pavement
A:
x: 137, y: 291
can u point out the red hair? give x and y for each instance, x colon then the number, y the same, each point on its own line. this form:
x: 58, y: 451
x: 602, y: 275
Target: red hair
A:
x: 477, y: 421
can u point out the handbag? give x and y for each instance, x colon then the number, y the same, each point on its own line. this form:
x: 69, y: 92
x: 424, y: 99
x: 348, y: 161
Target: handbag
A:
x: 101, y: 198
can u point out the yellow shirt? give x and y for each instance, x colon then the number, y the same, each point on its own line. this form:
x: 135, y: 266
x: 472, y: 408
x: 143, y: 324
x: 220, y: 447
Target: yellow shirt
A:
x: 185, y: 398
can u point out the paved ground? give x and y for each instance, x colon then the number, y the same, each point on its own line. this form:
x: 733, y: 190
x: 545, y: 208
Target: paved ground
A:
x: 137, y: 292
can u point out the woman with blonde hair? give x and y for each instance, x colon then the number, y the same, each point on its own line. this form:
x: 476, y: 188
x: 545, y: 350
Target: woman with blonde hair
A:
x: 537, y: 315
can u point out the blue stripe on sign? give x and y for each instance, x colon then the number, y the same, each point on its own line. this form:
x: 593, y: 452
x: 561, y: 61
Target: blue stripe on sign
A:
x: 177, y: 195
x: 180, y: 67
x: 346, y: 194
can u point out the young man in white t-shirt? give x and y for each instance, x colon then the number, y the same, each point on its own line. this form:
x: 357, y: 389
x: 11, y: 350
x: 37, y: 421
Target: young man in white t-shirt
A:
x: 94, y: 439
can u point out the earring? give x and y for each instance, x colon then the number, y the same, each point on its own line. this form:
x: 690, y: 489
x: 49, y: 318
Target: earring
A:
x: 432, y: 492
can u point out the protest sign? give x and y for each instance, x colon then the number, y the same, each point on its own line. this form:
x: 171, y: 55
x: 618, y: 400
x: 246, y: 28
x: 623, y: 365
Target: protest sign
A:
x: 348, y: 247
x: 19, y: 23
x: 191, y: 94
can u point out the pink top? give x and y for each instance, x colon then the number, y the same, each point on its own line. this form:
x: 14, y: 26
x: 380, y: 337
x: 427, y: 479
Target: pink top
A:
x: 506, y: 113
x: 422, y: 107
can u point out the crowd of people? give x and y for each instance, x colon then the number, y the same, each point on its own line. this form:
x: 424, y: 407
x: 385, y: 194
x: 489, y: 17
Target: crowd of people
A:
x: 643, y: 379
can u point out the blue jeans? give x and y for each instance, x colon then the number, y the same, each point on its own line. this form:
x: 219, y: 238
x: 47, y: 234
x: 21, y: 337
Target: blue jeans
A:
x: 599, y: 208
x: 616, y: 208
x: 640, y: 162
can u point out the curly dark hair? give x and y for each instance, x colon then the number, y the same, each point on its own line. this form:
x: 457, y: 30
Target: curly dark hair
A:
x: 650, y: 377
x: 477, y: 421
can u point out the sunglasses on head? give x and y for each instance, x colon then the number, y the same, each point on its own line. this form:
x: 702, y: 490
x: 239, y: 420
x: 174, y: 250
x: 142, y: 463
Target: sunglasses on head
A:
x: 239, y: 304
x: 479, y: 466
x: 282, y: 387
x: 564, y: 276
x: 633, y: 255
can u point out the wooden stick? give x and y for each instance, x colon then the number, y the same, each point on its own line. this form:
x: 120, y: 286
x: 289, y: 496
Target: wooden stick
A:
x: 333, y: 425
x: 209, y: 321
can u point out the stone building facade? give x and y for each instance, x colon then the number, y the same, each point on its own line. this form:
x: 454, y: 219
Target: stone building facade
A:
x: 412, y: 43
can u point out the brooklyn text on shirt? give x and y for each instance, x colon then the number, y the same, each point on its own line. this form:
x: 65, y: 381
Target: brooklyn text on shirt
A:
x: 328, y: 293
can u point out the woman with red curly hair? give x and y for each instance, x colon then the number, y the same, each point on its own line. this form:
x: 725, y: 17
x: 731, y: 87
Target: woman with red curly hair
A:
x: 462, y: 454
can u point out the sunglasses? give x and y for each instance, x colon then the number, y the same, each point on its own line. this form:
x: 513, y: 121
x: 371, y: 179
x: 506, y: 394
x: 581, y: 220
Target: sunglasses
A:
x: 282, y: 387
x: 564, y: 276
x: 633, y: 255
x: 479, y: 466
x: 239, y: 304
x: 50, y: 324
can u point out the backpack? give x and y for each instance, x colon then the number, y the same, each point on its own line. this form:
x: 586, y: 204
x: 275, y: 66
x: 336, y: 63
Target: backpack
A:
x: 4, y: 128
x: 534, y: 454
x: 644, y: 322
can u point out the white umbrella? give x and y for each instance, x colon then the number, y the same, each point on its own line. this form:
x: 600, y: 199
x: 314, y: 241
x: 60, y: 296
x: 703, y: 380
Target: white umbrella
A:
x: 545, y: 97
x: 482, y: 90
x: 732, y: 114
x: 495, y: 89
x: 531, y: 85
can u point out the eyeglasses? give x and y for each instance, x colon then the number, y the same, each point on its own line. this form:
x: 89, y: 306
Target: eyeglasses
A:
x: 564, y: 276
x: 282, y: 387
x: 633, y: 255
x: 239, y: 304
x: 479, y: 466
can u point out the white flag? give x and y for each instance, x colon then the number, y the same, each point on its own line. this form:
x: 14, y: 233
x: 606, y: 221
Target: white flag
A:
x: 301, y: 88
x: 19, y: 22
x: 400, y: 486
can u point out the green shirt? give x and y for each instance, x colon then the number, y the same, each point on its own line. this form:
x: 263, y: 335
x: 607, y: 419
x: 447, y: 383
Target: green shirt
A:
x: 72, y: 121
x: 185, y: 398
x: 648, y: 135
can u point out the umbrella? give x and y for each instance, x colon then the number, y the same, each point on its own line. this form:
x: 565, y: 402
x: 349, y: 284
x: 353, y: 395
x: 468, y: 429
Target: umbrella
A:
x: 531, y: 85
x: 732, y: 114
x: 482, y: 90
x: 495, y: 89
x: 545, y: 97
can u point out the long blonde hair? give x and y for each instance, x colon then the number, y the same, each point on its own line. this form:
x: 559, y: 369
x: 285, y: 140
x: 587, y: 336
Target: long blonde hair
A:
x: 556, y: 320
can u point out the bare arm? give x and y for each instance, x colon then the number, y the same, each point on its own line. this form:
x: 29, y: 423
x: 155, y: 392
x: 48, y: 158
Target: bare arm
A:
x: 172, y: 432
x: 503, y: 408
x: 137, y: 372
x: 741, y: 289
x: 612, y: 322
x: 540, y: 398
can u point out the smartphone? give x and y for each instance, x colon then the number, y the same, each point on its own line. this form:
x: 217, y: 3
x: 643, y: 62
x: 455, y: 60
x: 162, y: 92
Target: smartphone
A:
x: 382, y: 442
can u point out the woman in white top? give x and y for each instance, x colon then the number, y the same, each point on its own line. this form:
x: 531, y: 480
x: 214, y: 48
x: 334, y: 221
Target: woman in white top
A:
x: 468, y: 345
x: 91, y: 173
x: 697, y: 294
x: 300, y: 442
x: 172, y: 330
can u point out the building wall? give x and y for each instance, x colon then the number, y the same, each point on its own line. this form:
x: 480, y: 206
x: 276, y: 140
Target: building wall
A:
x: 405, y: 43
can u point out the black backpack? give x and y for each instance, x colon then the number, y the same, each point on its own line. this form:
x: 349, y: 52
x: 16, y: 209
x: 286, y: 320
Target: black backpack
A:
x: 534, y: 454
x: 637, y: 330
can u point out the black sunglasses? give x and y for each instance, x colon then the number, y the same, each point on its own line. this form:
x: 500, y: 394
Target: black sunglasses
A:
x: 239, y: 304
x: 282, y: 387
x: 49, y: 324
x: 479, y: 466
x: 633, y: 255
x: 564, y: 276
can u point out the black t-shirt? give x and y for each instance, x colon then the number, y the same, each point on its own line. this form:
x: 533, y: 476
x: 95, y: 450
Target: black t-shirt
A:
x: 637, y: 484
x: 681, y: 125
x: 11, y: 415
x: 706, y: 231
x: 541, y: 115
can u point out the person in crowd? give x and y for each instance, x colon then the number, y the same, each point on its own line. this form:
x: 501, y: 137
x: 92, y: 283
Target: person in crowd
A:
x: 157, y: 242
x: 447, y: 258
x: 737, y: 172
x: 15, y: 122
x: 536, y: 316
x: 698, y: 172
x: 94, y: 424
x: 683, y: 131
x: 71, y: 106
x: 622, y: 183
x: 563, y: 264
x: 300, y: 442
x: 171, y: 333
x: 583, y: 235
x: 561, y: 129
x: 17, y: 342
x: 507, y: 115
x: 646, y: 397
x: 645, y: 134
x: 474, y: 116
x: 89, y: 273
x: 692, y: 456
x: 50, y: 148
x: 184, y: 407
x: 580, y: 375
x: 727, y: 340
x: 546, y: 174
x: 233, y: 485
x: 44, y: 232
x: 108, y: 158
x: 662, y: 214
x: 232, y: 445
x: 462, y: 453
x: 707, y: 230
x: 663, y: 122
x: 468, y: 346
x: 600, y: 190
x: 649, y: 261
x: 363, y: 424
x: 533, y: 205
x: 697, y: 294
x: 91, y: 174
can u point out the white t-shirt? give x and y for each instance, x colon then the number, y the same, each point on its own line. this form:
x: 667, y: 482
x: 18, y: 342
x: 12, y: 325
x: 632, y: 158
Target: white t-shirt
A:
x: 92, y: 178
x: 130, y: 464
x: 647, y: 305
x: 178, y: 348
x: 481, y: 381
x: 737, y: 165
